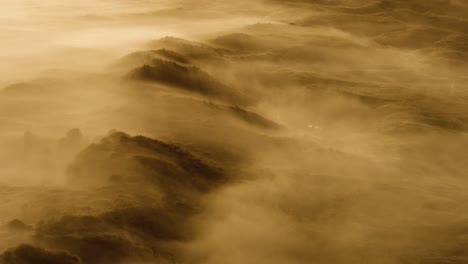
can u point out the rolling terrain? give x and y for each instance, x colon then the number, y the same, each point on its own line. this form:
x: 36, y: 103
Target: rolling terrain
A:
x: 302, y: 131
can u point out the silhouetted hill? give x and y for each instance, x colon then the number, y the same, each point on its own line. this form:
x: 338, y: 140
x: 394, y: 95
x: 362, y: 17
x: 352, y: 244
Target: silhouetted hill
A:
x: 190, y: 49
x: 146, y: 57
x: 189, y: 78
x: 27, y: 254
x: 141, y: 232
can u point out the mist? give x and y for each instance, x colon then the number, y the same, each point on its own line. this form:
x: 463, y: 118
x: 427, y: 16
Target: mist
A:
x: 258, y: 131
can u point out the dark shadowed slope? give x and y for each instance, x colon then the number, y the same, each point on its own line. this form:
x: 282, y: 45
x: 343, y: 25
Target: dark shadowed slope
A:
x: 147, y: 231
x: 28, y: 254
x: 147, y: 159
x: 189, y: 78
x: 192, y: 50
x: 146, y: 57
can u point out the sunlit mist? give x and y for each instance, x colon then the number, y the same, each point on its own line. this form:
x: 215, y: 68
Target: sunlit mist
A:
x: 203, y: 132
